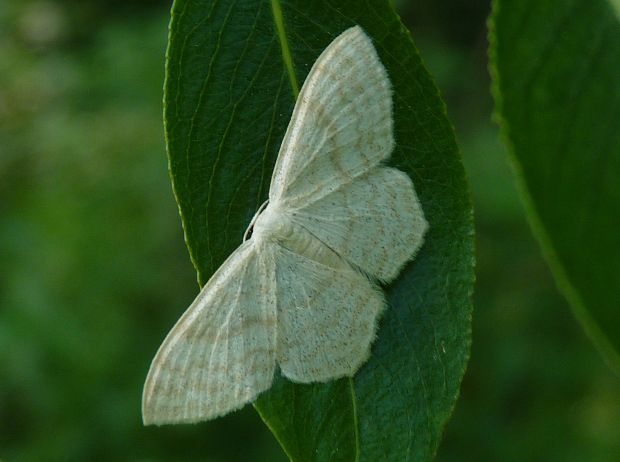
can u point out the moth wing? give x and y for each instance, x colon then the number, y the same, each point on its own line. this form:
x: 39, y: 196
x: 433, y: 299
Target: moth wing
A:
x: 341, y: 124
x: 375, y: 222
x: 221, y: 353
x: 327, y: 315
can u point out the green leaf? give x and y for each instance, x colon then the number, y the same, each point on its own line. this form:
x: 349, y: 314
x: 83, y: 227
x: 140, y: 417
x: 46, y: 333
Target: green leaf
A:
x: 556, y: 79
x: 233, y: 72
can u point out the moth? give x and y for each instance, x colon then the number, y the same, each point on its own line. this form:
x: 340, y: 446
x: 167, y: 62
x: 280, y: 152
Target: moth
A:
x: 302, y: 292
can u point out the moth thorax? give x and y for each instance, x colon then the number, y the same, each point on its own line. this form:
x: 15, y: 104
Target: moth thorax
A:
x: 273, y: 225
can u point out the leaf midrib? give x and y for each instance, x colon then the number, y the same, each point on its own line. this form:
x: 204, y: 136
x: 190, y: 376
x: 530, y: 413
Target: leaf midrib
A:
x: 287, y: 57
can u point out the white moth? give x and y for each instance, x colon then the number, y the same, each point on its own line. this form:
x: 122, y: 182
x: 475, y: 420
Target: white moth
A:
x: 302, y: 292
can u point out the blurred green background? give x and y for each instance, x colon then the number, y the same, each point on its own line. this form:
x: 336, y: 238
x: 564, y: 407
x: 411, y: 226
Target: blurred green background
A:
x: 94, y: 271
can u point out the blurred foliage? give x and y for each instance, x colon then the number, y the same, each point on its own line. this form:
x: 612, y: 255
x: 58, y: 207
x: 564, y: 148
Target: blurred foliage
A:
x: 94, y: 271
x: 558, y: 102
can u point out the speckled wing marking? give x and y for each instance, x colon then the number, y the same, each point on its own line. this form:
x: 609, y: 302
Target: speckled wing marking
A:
x: 327, y: 315
x: 341, y: 125
x: 375, y: 222
x: 221, y: 353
